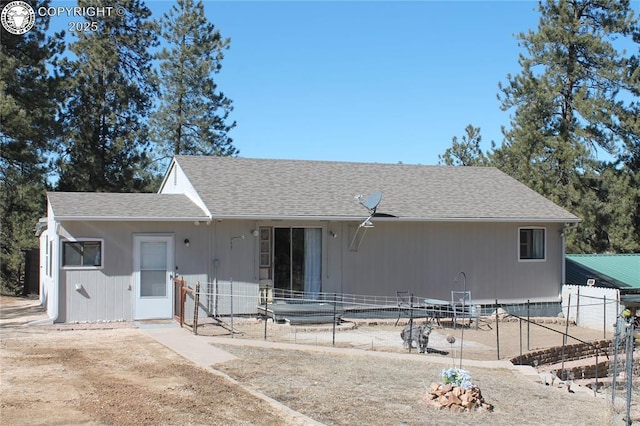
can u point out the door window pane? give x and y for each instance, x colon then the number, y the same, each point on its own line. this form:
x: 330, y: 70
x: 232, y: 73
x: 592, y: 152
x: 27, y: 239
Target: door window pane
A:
x: 153, y: 283
x: 297, y: 259
x: 153, y: 269
x: 312, y: 260
x: 282, y: 258
x: 153, y: 255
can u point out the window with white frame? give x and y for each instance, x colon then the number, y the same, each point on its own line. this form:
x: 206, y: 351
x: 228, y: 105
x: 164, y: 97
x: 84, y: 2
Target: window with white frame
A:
x: 82, y: 254
x: 531, y: 243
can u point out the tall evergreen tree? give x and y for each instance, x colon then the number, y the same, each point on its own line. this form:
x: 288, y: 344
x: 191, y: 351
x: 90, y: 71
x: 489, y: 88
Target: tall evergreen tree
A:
x: 467, y: 152
x: 111, y: 88
x: 28, y: 99
x: 570, y: 100
x: 192, y: 117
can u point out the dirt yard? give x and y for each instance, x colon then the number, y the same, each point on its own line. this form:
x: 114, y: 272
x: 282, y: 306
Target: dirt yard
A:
x: 114, y: 374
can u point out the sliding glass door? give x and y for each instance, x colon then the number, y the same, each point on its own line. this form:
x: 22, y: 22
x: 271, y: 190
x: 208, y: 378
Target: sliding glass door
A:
x: 297, y: 259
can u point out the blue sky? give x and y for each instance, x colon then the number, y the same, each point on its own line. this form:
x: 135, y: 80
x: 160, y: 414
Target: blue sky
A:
x: 365, y: 81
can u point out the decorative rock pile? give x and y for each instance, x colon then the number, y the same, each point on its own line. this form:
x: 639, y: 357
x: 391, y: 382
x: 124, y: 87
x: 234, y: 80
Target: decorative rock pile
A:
x: 455, y: 398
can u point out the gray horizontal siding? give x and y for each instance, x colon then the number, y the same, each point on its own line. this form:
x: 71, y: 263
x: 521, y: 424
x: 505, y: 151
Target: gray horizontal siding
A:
x: 107, y: 293
x: 425, y: 258
x: 422, y: 257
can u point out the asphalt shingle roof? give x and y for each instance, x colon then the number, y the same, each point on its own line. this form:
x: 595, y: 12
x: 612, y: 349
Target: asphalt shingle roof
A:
x: 243, y: 187
x: 115, y: 206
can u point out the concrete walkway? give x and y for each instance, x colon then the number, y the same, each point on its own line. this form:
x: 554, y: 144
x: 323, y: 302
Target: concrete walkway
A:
x: 198, y: 349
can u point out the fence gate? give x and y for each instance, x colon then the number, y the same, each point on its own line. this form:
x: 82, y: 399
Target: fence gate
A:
x: 180, y: 290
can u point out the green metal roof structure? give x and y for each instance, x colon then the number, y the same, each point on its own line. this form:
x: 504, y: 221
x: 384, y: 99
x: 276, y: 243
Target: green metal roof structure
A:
x: 620, y: 271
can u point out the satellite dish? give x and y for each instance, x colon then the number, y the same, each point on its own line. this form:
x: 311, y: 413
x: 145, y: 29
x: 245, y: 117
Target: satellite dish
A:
x: 372, y: 201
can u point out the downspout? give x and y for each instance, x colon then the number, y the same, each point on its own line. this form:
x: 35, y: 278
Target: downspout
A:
x: 563, y: 234
x: 563, y: 264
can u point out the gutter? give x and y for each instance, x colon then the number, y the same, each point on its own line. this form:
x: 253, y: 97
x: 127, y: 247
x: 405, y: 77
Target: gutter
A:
x: 132, y: 219
x: 565, y: 229
x: 396, y: 218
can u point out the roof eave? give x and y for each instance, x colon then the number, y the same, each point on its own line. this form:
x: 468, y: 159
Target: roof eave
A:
x: 489, y: 219
x: 130, y: 219
x: 166, y: 174
x: 338, y: 218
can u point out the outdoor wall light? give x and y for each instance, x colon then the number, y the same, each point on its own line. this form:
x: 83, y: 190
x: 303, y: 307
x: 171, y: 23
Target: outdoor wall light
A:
x: 186, y: 242
x: 254, y: 232
x: 333, y: 234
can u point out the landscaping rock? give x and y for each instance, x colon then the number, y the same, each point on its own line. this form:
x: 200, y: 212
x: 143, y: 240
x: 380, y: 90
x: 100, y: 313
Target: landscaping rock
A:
x: 455, y: 398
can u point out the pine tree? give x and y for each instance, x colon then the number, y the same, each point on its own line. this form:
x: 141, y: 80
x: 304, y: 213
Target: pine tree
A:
x: 467, y: 152
x: 192, y: 117
x: 569, y: 101
x: 28, y: 129
x: 111, y: 88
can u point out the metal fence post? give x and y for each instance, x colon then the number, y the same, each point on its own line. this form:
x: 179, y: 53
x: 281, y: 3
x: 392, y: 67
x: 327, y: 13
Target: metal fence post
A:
x: 410, y: 321
x: 564, y: 337
x: 497, y: 332
x: 528, y: 325
x: 231, y: 303
x: 596, y: 387
x: 604, y: 310
x: 578, y: 308
x: 616, y: 345
x: 196, y: 299
x: 266, y: 312
x: 629, y: 371
x: 520, y: 323
x: 334, y: 319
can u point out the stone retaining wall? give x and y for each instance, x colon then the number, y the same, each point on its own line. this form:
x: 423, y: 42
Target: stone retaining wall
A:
x: 571, y: 353
x: 576, y: 352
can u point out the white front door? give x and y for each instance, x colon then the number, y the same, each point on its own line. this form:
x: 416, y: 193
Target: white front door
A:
x: 152, y: 270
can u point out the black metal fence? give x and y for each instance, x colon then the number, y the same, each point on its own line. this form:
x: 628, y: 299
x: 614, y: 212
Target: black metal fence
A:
x: 245, y: 311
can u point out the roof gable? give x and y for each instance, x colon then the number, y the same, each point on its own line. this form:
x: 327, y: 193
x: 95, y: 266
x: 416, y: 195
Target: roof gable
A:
x: 265, y: 188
